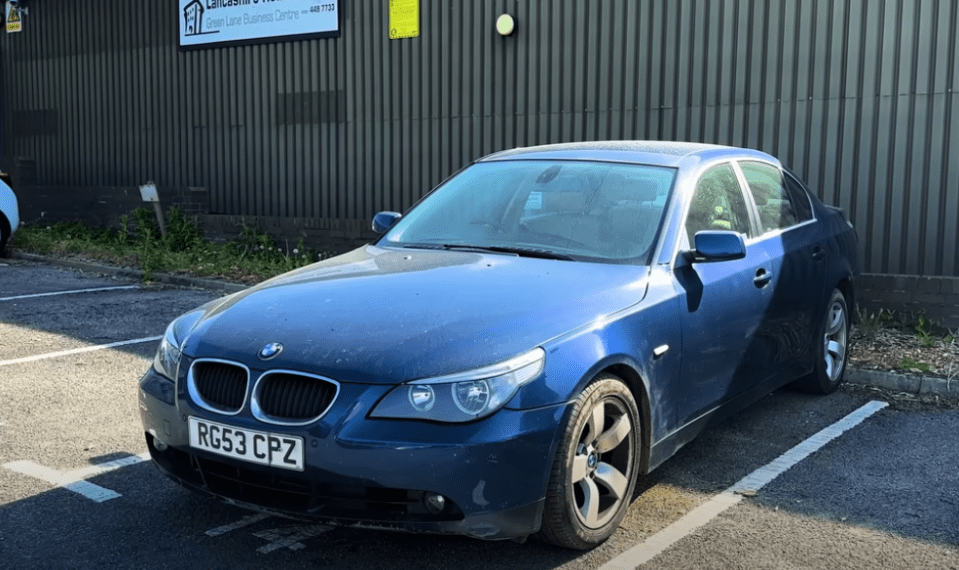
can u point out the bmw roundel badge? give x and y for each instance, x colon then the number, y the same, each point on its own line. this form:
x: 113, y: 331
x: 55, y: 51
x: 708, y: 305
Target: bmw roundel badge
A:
x: 270, y: 350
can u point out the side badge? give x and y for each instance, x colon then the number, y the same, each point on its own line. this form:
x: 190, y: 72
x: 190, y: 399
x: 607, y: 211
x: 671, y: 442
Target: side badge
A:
x: 270, y: 350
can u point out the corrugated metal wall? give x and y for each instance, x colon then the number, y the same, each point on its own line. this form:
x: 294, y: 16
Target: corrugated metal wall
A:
x: 858, y: 96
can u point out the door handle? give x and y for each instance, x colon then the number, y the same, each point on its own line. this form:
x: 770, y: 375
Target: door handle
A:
x: 763, y: 278
x: 818, y: 253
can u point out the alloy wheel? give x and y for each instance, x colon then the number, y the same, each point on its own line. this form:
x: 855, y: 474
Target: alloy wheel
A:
x: 834, y: 340
x: 602, y: 466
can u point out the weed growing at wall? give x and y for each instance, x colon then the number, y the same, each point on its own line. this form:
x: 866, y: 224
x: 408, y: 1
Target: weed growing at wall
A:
x: 910, y: 342
x: 137, y: 242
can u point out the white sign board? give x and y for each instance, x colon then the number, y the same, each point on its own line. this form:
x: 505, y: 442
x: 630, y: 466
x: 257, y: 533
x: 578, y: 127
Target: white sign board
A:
x: 149, y: 192
x: 207, y: 22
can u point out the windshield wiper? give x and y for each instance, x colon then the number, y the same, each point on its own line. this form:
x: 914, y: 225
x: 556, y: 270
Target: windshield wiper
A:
x: 520, y: 251
x: 512, y: 250
x: 424, y: 246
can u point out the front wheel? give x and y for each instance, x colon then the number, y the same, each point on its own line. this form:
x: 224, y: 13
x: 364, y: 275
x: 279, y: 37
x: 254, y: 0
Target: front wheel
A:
x: 595, y: 468
x: 3, y: 239
x: 831, y: 349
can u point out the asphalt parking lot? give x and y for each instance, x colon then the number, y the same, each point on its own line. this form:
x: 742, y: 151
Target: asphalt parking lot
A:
x: 858, y: 479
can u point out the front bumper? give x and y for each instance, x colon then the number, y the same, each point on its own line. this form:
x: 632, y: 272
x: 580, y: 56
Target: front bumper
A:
x: 371, y: 472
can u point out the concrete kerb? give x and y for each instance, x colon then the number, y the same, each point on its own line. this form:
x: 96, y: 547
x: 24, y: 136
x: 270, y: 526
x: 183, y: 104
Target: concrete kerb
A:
x: 895, y: 381
x: 178, y: 280
x: 903, y: 382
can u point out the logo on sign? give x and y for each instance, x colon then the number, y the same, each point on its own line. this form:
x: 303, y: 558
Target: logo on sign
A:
x: 193, y: 18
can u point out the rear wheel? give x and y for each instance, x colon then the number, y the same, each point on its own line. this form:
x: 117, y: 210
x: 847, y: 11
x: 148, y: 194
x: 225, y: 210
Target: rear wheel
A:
x: 595, y: 468
x: 831, y: 348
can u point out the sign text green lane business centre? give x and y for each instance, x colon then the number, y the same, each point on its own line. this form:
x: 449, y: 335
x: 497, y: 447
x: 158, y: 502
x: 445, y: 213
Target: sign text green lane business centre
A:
x: 204, y: 22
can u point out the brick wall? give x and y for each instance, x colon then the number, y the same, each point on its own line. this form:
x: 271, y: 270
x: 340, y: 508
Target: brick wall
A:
x: 936, y: 297
x: 103, y: 206
x: 100, y: 206
x: 324, y: 235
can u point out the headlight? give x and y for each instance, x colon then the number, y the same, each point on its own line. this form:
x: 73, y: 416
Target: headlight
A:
x: 167, y: 359
x: 461, y: 397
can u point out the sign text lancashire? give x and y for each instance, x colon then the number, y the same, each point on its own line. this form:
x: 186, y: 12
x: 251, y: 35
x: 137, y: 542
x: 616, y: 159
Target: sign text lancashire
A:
x: 204, y: 22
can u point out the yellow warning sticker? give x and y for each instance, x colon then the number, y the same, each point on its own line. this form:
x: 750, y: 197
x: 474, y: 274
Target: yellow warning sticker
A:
x: 404, y: 19
x: 14, y: 24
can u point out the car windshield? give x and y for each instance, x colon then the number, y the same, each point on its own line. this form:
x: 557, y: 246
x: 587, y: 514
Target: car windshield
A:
x: 589, y: 211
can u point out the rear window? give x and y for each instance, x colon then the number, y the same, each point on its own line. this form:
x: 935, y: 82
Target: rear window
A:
x: 800, y: 198
x: 774, y: 203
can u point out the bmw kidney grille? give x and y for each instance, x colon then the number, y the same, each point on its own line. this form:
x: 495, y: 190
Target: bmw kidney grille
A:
x: 219, y: 386
x: 292, y: 398
x: 281, y: 397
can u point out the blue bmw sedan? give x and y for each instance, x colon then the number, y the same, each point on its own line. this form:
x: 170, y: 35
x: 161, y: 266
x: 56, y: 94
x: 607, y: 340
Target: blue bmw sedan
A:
x: 516, y: 349
x: 9, y: 215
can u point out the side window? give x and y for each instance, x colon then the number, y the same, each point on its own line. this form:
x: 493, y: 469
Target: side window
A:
x: 800, y: 198
x: 717, y: 204
x: 775, y: 207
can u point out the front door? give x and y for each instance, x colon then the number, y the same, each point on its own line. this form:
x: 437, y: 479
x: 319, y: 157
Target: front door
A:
x: 724, y: 302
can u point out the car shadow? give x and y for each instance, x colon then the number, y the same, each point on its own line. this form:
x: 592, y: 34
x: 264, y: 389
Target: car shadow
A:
x: 154, y: 523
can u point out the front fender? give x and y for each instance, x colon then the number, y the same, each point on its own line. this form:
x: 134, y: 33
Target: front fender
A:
x: 8, y: 207
x: 622, y: 344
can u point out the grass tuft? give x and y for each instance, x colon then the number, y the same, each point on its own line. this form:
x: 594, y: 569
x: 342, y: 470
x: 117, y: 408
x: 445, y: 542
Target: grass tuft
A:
x: 252, y: 257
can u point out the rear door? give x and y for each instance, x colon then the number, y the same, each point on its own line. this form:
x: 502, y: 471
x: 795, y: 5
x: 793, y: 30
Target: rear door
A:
x: 791, y: 241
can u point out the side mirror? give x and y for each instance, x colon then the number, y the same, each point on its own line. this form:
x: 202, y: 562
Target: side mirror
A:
x: 383, y: 220
x: 719, y: 246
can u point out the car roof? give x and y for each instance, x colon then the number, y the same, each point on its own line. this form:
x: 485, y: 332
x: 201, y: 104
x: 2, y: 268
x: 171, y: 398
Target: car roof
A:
x: 660, y: 153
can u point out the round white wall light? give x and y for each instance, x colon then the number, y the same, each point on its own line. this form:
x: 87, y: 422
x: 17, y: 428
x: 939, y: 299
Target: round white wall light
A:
x: 505, y: 25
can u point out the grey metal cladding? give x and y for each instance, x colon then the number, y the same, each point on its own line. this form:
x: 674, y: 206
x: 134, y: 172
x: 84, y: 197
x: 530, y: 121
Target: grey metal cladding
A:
x: 859, y: 97
x: 311, y: 107
x: 28, y: 123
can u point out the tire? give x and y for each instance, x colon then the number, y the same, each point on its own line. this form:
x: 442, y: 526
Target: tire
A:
x: 3, y: 238
x: 832, y: 351
x: 595, y: 468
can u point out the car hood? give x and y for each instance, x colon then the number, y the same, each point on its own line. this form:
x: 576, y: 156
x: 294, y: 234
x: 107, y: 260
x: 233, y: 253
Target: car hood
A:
x: 380, y: 315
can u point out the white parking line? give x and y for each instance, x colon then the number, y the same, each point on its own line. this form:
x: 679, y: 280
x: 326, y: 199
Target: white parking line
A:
x: 75, y: 480
x: 108, y: 466
x: 288, y: 537
x: 283, y: 537
x: 78, y: 350
x: 75, y: 291
x: 701, y: 515
x: 245, y: 521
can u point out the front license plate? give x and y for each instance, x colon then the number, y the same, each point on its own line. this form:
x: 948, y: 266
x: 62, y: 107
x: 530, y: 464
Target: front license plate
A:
x: 275, y: 450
